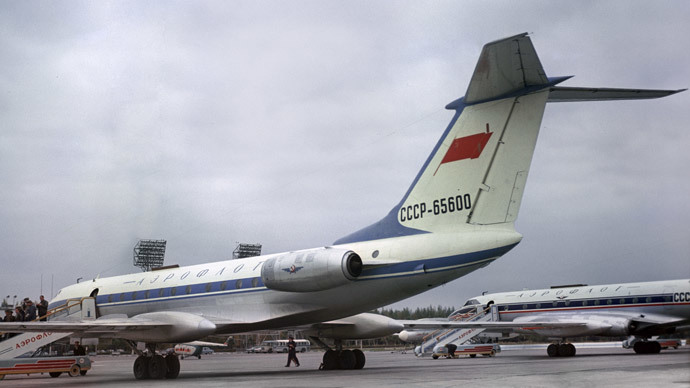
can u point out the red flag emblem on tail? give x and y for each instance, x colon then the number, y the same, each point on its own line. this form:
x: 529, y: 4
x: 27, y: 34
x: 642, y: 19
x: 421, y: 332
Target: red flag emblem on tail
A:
x: 468, y: 147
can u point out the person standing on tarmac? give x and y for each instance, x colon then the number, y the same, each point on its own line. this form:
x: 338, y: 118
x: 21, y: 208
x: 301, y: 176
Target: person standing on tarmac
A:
x: 292, y: 352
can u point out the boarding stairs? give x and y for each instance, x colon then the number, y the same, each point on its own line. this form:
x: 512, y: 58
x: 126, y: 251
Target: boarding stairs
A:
x: 457, y: 336
x: 21, y: 343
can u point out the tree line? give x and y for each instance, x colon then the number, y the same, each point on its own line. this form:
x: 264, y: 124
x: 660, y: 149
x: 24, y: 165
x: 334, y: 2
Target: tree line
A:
x: 418, y: 313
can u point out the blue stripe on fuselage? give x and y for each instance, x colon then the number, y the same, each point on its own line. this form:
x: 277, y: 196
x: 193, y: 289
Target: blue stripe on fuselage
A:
x: 255, y: 284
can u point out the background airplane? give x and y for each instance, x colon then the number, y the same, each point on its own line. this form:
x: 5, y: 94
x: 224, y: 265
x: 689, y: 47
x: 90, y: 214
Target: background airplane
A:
x: 196, y: 348
x: 457, y: 216
x: 641, y: 310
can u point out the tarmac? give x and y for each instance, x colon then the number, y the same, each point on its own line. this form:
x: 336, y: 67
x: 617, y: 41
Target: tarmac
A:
x: 591, y: 367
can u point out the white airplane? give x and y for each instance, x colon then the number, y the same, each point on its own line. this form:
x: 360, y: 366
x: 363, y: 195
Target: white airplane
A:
x: 196, y: 348
x: 640, y: 310
x: 457, y: 216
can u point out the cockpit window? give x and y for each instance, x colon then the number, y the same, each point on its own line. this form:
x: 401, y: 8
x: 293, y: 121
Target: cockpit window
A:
x: 471, y: 302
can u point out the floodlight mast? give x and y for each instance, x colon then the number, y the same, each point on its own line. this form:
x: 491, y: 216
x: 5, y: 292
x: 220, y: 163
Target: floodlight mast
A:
x: 246, y: 250
x: 149, y: 254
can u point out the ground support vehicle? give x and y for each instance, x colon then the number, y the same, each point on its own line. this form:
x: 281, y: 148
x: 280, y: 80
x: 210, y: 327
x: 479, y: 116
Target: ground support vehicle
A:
x: 471, y: 350
x: 54, y: 366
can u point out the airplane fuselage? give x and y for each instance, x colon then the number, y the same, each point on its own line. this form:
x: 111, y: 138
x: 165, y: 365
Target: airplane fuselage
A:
x: 234, y: 290
x: 610, y: 307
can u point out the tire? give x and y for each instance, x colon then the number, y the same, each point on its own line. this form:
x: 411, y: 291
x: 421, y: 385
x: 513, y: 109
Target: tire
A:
x: 435, y: 357
x: 173, y: 366
x: 346, y: 360
x: 552, y: 350
x: 141, y: 368
x: 83, y: 372
x: 473, y: 355
x: 330, y: 360
x: 360, y: 359
x: 54, y: 374
x: 158, y: 367
x: 74, y: 370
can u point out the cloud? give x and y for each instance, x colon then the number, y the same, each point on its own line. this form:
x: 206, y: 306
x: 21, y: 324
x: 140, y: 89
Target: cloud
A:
x: 293, y: 124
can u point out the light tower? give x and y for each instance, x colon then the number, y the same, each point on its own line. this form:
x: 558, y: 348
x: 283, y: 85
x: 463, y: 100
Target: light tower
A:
x: 149, y: 254
x: 246, y: 250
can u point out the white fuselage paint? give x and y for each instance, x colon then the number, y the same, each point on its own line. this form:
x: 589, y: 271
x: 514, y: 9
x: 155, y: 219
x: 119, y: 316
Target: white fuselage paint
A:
x: 607, y: 308
x: 421, y: 262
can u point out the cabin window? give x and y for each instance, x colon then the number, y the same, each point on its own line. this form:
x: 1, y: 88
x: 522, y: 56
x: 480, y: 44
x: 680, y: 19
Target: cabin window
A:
x: 188, y: 290
x: 596, y: 302
x: 238, y: 284
x: 160, y: 292
x: 134, y: 295
x: 173, y: 291
x: 110, y: 298
x: 635, y: 300
x: 122, y: 297
x: 609, y: 301
x: 622, y: 301
x: 255, y: 282
x: 648, y: 300
x: 584, y: 303
x: 146, y: 294
x: 208, y: 287
x: 223, y: 286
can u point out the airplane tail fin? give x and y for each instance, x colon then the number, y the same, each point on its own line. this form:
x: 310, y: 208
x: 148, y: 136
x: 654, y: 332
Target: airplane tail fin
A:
x: 477, y: 171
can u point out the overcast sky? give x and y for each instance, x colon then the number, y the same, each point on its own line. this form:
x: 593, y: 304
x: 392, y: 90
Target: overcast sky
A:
x: 295, y: 123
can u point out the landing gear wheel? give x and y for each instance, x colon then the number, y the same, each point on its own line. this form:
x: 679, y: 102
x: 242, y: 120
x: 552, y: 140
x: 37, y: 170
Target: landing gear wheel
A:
x: 435, y: 357
x: 173, y: 366
x: 360, y: 360
x: 346, y: 359
x: 158, y: 367
x: 330, y: 360
x: 654, y: 347
x: 54, y: 374
x: 74, y: 370
x: 141, y: 368
x: 473, y: 355
x: 552, y: 350
x: 566, y: 350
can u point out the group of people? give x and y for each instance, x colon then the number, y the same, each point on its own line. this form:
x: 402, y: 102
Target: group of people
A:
x: 27, y: 311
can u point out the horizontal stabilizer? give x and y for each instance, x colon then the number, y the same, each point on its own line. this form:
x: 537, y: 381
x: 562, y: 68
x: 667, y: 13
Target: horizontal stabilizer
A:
x: 569, y: 94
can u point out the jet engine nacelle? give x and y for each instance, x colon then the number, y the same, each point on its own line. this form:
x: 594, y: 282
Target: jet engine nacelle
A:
x: 311, y: 270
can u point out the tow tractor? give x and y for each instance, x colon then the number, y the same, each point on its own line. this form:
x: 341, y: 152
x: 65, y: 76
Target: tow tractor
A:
x: 454, y: 351
x: 54, y: 366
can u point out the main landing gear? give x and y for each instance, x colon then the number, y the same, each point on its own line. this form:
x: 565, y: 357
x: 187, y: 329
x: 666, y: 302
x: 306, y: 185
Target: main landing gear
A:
x: 647, y: 347
x: 150, y: 365
x: 561, y: 350
x: 340, y: 358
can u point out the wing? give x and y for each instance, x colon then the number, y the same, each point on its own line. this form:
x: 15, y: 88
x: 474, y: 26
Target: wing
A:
x: 164, y: 326
x: 444, y: 324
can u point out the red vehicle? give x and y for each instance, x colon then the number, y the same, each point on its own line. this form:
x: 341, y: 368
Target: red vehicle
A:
x: 54, y: 366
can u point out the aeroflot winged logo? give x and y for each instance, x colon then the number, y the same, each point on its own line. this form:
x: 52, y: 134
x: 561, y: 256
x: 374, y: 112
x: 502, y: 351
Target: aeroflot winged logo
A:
x: 292, y: 269
x: 468, y: 147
